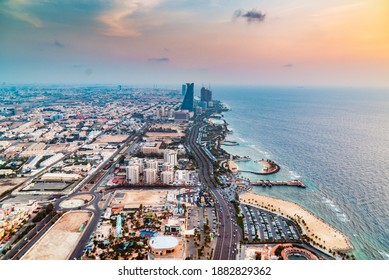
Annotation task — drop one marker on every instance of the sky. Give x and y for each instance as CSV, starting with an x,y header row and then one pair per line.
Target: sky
x,y
246,42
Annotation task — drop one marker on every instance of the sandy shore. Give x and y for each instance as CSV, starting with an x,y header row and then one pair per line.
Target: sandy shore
x,y
267,167
264,163
327,236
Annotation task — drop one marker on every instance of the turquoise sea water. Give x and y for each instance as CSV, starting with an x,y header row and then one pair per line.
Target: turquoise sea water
x,y
335,140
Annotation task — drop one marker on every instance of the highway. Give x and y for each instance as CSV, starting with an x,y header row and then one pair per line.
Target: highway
x,y
21,247
24,245
93,205
229,234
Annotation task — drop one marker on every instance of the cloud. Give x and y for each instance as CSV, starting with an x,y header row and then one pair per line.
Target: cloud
x,y
88,71
158,59
24,16
250,16
117,17
288,65
58,44
19,10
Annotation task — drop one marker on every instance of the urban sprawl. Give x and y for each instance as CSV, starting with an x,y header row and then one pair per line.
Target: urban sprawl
x,y
115,172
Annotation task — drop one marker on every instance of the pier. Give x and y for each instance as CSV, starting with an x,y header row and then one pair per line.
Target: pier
x,y
230,143
267,183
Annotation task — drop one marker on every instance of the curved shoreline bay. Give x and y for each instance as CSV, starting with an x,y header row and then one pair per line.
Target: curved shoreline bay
x,y
327,236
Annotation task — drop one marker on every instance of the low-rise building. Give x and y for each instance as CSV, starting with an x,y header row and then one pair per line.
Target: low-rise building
x,y
60,177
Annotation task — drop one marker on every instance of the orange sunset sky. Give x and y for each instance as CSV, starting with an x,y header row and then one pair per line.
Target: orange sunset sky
x,y
330,43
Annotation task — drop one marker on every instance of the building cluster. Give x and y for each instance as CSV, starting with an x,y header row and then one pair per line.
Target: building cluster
x,y
12,218
139,232
50,125
191,104
157,171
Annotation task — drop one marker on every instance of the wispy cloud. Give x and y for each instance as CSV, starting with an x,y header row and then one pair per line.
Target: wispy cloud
x,y
88,71
250,16
18,9
289,65
117,17
58,44
158,59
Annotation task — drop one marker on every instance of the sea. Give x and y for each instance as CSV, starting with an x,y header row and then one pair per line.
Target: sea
x,y
335,140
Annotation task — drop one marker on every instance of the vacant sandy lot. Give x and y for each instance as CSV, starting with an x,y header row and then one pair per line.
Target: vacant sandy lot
x,y
59,242
56,148
162,135
133,198
177,127
7,184
111,139
327,235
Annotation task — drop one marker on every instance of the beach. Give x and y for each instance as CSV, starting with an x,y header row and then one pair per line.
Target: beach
x,y
327,236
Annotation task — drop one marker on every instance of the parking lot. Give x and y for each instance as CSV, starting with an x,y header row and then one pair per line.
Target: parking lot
x,y
188,198
264,226
198,218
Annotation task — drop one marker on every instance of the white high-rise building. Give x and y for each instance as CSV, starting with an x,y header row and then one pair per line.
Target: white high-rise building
x,y
132,173
167,177
182,176
167,167
153,164
138,162
170,156
150,175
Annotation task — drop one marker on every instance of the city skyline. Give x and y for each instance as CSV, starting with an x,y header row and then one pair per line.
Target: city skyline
x,y
332,43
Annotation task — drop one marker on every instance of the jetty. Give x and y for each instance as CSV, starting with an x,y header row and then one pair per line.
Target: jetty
x,y
238,158
269,167
268,183
230,143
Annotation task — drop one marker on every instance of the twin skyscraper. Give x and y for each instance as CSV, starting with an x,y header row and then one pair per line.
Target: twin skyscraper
x,y
188,102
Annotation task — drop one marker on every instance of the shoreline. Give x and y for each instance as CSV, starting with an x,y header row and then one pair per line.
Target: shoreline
x,y
314,227
320,231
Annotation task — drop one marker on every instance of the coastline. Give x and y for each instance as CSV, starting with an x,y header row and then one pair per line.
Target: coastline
x,y
327,236
317,230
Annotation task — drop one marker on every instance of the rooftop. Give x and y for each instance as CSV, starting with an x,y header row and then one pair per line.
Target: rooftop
x,y
163,242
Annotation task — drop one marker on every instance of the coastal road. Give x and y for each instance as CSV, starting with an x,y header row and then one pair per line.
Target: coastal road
x,y
229,235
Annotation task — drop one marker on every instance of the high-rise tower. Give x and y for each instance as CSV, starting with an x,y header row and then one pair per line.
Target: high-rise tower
x,y
206,94
187,104
183,89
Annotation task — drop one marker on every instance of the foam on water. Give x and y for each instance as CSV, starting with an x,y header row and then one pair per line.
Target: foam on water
x,y
256,148
294,175
335,208
242,140
343,217
385,255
